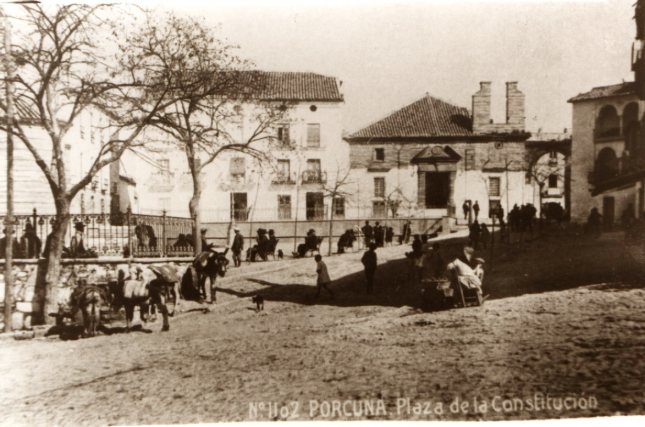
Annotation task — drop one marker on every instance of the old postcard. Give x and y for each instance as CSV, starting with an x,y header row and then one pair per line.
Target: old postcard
x,y
246,211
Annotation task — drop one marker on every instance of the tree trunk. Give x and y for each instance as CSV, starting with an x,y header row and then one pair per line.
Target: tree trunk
x,y
195,214
331,224
52,266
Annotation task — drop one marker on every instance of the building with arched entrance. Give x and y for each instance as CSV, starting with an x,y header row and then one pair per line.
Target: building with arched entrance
x,y
608,144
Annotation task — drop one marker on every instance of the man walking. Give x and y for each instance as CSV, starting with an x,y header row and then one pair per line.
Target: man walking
x,y
323,280
237,247
369,262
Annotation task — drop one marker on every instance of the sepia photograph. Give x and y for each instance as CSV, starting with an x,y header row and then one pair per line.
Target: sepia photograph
x,y
251,211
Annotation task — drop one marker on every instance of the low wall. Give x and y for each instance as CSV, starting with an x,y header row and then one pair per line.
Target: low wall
x,y
287,230
27,296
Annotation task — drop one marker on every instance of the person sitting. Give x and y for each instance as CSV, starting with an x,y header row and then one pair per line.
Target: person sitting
x,y
469,270
311,244
345,241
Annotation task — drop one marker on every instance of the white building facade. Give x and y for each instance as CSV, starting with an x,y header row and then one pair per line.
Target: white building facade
x,y
305,152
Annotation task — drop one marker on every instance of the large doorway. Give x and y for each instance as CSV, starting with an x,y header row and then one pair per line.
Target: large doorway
x,y
437,190
315,206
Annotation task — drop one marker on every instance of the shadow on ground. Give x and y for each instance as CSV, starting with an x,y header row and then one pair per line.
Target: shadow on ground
x,y
554,262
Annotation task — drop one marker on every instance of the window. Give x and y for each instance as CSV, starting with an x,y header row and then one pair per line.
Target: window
x,y
470,159
494,186
313,135
313,174
607,122
379,187
284,171
238,166
315,206
283,134
239,210
379,154
553,181
284,206
339,207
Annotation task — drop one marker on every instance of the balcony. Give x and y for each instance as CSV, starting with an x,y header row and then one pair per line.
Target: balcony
x,y
284,179
607,135
314,177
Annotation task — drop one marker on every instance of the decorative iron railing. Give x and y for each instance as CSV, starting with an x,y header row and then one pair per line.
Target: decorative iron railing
x,y
92,235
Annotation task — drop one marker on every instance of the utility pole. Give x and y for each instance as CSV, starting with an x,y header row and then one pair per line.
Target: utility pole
x,y
8,262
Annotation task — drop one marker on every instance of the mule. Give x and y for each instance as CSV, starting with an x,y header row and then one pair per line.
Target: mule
x,y
143,287
207,265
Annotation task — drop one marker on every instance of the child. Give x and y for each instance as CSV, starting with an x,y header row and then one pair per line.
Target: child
x,y
370,263
323,276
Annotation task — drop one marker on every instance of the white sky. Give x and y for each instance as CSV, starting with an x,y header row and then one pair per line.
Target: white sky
x,y
390,53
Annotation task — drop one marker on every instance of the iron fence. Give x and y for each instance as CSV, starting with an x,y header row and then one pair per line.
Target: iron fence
x,y
91,235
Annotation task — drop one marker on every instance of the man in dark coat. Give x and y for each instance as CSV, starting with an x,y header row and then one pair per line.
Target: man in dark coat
x,y
476,209
30,243
237,247
368,232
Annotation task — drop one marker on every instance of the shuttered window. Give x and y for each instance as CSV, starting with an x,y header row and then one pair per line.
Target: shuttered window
x,y
494,186
313,135
379,187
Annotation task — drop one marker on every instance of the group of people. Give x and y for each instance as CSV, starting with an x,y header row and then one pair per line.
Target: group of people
x,y
522,218
29,245
266,242
379,235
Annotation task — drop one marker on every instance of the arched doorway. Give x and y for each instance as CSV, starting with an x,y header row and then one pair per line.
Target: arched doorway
x,y
606,164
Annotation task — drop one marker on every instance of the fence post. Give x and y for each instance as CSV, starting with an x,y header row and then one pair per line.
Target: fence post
x,y
34,220
163,233
127,222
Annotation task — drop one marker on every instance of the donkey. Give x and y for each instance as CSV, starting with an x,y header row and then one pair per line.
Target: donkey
x,y
207,265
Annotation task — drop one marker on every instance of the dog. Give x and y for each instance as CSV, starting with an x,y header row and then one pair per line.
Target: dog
x,y
259,302
280,254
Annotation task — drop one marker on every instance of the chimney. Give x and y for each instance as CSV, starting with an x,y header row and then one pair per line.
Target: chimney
x,y
481,107
515,117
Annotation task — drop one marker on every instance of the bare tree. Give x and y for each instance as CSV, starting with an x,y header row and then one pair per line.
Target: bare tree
x,y
335,191
217,92
68,61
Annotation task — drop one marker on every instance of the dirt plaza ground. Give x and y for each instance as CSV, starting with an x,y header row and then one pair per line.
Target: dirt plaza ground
x,y
562,335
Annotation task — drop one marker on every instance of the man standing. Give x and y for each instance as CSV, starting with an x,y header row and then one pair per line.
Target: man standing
x,y
466,208
476,209
368,232
369,262
237,247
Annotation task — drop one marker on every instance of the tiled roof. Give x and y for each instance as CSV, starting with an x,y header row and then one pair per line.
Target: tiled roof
x,y
620,89
296,86
427,117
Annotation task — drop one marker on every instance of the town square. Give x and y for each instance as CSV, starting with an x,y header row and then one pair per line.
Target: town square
x,y
418,211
